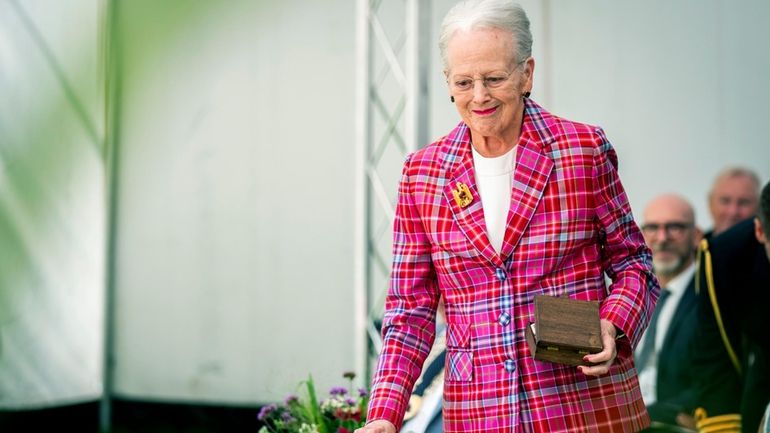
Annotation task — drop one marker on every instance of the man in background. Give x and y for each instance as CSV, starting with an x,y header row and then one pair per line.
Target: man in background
x,y
733,197
663,357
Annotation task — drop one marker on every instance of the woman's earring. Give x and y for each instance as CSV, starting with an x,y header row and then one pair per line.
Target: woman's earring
x,y
452,98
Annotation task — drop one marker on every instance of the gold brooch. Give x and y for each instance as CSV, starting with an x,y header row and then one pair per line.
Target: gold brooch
x,y
463,196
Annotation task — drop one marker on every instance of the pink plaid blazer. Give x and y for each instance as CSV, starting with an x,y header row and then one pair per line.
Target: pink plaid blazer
x,y
569,222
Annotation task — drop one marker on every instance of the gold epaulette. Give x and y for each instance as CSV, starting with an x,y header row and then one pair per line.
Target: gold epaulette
x,y
729,423
704,258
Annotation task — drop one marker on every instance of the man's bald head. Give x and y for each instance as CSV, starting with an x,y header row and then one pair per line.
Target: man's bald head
x,y
673,205
669,230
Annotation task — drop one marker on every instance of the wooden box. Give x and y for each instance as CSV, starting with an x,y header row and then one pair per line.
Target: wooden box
x,y
564,330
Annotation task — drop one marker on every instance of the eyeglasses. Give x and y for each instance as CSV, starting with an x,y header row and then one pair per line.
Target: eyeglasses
x,y
494,80
672,229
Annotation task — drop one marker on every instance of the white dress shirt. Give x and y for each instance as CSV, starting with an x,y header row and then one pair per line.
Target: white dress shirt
x,y
649,375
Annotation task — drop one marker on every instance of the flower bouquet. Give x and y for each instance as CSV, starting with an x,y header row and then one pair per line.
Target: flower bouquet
x,y
341,412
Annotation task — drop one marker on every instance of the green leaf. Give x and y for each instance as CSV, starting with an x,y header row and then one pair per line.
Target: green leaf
x,y
315,409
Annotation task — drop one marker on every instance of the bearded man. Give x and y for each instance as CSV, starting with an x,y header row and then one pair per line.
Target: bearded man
x,y
662,358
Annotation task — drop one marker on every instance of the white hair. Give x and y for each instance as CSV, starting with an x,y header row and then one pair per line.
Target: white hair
x,y
733,172
498,14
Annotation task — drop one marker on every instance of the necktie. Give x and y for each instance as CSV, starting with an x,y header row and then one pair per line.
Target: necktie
x,y
648,346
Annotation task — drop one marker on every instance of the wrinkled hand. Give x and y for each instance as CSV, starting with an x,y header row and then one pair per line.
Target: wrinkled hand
x,y
379,426
606,357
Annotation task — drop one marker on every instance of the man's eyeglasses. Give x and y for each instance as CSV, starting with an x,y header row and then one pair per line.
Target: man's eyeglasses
x,y
672,229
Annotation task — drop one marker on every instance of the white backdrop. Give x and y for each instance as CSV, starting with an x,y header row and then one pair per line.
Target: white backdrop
x,y
52,213
234,238
234,255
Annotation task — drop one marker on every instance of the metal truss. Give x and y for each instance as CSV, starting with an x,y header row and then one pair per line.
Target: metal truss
x,y
392,121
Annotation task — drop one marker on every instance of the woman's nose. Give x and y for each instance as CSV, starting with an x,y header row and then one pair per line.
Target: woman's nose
x,y
480,92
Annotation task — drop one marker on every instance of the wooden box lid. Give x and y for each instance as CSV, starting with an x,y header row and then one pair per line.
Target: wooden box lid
x,y
564,330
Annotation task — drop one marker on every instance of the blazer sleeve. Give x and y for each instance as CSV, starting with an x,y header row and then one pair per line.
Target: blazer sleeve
x,y
410,309
627,260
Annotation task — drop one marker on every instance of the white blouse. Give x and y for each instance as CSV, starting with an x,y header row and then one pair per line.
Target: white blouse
x,y
494,177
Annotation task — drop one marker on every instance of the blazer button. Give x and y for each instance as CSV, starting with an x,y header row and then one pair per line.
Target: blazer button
x,y
510,366
500,273
504,319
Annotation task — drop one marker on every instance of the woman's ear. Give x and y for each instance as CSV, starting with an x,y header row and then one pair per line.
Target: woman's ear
x,y
529,74
446,76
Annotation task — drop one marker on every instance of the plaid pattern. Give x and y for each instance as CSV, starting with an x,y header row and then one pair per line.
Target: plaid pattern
x,y
459,365
569,222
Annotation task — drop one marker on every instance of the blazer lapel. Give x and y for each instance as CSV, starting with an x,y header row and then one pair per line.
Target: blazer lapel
x,y
530,176
470,217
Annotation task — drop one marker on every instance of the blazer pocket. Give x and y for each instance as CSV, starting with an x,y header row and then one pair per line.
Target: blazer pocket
x,y
458,336
459,360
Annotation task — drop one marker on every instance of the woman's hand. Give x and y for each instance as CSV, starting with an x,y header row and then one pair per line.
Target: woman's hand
x,y
379,426
606,357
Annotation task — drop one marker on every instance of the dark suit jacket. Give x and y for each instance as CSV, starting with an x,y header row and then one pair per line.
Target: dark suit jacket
x,y
676,381
741,272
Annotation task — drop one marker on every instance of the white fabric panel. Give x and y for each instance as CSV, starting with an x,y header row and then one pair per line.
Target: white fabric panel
x,y
235,243
52,208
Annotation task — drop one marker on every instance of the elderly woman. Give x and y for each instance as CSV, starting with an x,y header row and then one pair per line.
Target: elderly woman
x,y
512,203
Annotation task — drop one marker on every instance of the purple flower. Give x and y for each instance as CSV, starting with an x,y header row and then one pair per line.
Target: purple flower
x,y
362,392
290,399
266,411
338,390
287,418
350,401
